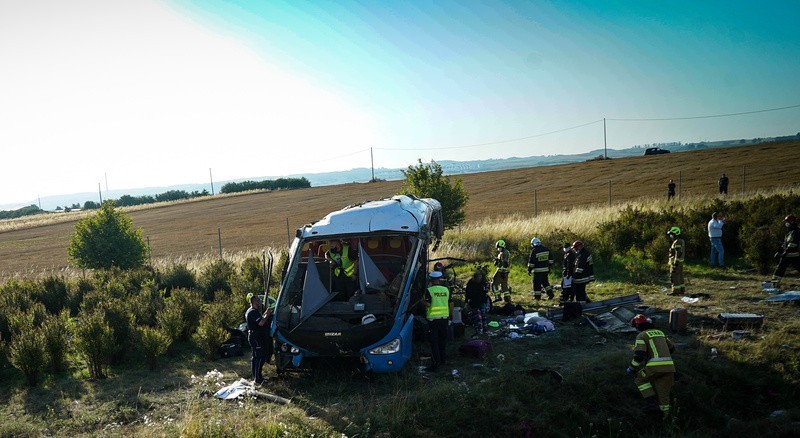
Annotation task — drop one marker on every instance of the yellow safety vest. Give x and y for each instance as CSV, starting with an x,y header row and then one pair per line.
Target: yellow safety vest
x,y
344,262
440,302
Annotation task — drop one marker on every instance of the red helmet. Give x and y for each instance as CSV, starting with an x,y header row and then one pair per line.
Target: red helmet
x,y
577,245
640,319
790,218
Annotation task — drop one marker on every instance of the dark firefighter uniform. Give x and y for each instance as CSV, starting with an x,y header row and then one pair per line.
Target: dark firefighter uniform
x,y
500,279
582,273
566,276
652,362
676,256
539,263
789,253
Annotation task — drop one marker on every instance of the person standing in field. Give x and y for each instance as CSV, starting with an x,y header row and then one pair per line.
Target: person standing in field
x,y
676,256
652,365
723,185
439,309
539,263
715,235
670,190
582,271
501,260
476,294
789,252
258,337
566,273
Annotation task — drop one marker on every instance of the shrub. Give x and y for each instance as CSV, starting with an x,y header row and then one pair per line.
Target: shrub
x,y
94,340
53,294
107,239
56,334
178,276
26,349
181,314
118,316
76,294
216,276
211,334
153,343
170,321
759,248
146,304
428,181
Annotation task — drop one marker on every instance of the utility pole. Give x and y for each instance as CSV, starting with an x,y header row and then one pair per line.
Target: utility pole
x,y
106,183
101,193
40,201
605,141
288,236
372,164
212,181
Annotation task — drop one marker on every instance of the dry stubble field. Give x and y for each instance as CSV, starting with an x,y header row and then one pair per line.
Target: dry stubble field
x,y
253,221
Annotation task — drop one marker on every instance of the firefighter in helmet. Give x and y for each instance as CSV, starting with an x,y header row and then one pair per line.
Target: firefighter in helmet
x,y
539,263
676,256
652,364
582,271
789,251
500,279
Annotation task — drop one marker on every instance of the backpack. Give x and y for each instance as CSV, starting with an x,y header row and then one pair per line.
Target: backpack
x,y
476,348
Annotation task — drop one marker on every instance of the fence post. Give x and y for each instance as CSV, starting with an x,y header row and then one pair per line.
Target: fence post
x,y
288,236
535,204
744,179
149,251
680,183
219,237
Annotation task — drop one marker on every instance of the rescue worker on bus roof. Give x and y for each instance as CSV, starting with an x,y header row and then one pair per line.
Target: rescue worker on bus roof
x,y
789,252
539,263
677,252
652,363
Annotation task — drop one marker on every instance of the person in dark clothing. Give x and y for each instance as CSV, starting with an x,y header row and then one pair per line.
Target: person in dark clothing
x,y
566,273
539,263
477,297
439,309
789,252
723,185
258,337
582,271
670,190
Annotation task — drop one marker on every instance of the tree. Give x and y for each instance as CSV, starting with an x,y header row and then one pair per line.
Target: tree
x,y
427,181
107,239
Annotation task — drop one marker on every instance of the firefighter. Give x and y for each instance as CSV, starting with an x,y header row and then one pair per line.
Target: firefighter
x,y
500,278
582,271
539,264
566,273
676,255
652,364
789,252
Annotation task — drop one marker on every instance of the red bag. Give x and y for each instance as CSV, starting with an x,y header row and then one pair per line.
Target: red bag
x,y
476,348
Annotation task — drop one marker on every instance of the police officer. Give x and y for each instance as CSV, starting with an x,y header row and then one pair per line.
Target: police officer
x,y
343,267
439,308
258,337
652,363
539,263
676,256
789,252
582,271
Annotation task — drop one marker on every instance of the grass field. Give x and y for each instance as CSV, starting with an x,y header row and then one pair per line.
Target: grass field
x,y
254,221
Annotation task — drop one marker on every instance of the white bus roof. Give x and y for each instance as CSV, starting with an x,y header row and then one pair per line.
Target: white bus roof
x,y
400,213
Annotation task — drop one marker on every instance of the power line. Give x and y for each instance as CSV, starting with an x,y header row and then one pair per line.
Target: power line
x,y
338,156
492,143
705,117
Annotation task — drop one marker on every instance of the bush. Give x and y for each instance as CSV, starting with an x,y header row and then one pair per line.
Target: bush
x,y
94,340
153,343
26,350
181,314
759,248
76,294
215,277
170,321
55,331
118,316
107,239
211,334
428,181
53,294
146,304
178,276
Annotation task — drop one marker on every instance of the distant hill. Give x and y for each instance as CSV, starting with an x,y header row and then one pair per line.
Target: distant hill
x,y
362,174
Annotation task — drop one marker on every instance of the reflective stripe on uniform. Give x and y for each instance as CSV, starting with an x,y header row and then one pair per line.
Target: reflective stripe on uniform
x,y
644,387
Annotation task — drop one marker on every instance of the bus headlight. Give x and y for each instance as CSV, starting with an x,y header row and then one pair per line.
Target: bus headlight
x,y
390,347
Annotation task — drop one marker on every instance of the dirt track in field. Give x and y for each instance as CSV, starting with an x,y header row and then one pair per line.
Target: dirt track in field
x,y
255,221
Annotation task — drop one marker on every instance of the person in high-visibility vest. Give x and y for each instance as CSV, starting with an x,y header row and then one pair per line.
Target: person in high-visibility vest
x,y
539,263
500,277
652,364
676,256
344,267
439,309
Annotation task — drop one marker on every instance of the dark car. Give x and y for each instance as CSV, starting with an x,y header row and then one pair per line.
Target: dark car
x,y
655,151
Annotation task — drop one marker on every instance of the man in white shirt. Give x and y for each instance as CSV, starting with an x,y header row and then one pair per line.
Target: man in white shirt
x,y
715,235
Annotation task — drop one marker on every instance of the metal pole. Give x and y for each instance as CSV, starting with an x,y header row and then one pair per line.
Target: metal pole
x,y
40,201
609,193
535,203
101,193
372,164
288,236
680,183
149,251
106,183
219,236
212,181
605,142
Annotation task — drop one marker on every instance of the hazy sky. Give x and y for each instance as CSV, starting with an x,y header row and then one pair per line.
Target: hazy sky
x,y
154,93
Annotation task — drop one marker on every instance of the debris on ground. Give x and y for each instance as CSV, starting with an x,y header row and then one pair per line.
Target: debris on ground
x,y
784,297
243,388
739,320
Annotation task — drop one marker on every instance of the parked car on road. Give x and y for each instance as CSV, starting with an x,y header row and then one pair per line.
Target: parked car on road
x,y
655,151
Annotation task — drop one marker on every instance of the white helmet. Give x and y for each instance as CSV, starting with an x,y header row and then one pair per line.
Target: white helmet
x,y
535,241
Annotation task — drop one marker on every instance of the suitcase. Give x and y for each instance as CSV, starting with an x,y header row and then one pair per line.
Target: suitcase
x,y
476,348
572,310
678,319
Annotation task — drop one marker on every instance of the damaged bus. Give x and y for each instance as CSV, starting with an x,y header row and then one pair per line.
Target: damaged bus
x,y
368,317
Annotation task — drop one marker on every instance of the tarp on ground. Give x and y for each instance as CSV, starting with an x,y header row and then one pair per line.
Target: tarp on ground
x,y
786,296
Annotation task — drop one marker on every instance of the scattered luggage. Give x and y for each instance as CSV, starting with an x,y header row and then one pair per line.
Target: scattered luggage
x,y
476,348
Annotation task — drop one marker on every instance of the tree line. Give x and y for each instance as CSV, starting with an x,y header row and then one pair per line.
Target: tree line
x,y
267,184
